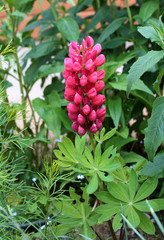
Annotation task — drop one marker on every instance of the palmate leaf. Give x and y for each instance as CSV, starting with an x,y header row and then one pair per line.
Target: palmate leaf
x,y
156,204
93,184
117,221
119,191
115,109
154,133
133,217
146,224
133,184
142,65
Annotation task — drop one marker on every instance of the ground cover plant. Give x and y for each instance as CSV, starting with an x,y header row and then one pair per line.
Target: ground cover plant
x,y
91,153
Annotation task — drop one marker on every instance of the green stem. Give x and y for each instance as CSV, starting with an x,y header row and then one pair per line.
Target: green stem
x,y
20,74
130,20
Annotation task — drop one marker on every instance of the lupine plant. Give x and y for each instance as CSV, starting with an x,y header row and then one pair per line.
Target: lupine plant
x,y
93,154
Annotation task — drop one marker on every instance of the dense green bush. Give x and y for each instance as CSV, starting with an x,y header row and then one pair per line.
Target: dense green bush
x,y
65,193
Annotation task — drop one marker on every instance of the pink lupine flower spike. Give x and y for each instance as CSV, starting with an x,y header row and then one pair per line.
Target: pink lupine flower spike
x,y
83,85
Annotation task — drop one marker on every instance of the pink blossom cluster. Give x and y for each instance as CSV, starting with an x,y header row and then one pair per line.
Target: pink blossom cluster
x,y
83,86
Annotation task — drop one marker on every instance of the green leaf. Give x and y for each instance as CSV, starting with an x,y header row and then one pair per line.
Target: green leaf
x,y
154,133
147,9
157,83
118,142
97,155
146,189
131,157
121,85
80,143
104,178
133,184
156,204
146,224
119,191
106,197
124,132
19,14
154,168
111,28
93,184
142,65
133,217
72,2
117,221
69,28
45,70
149,33
42,49
115,109
108,135
48,114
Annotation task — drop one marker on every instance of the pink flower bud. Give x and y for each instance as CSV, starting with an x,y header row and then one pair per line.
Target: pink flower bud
x,y
100,74
77,98
92,93
77,67
102,118
72,108
89,64
86,109
83,80
98,124
84,44
68,64
89,41
93,55
70,82
99,60
75,45
70,91
93,77
101,112
81,119
66,74
81,130
68,98
75,126
72,116
99,86
87,56
92,116
93,128
98,48
98,100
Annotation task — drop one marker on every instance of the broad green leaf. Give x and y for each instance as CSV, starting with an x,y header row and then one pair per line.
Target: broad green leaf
x,y
133,184
124,132
108,135
45,70
119,191
117,221
156,204
72,2
147,9
121,84
154,133
108,209
48,114
64,118
111,28
131,157
89,155
69,28
35,24
115,109
42,49
154,168
86,231
157,83
146,224
133,217
118,142
93,184
142,65
113,43
19,14
150,33
146,189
